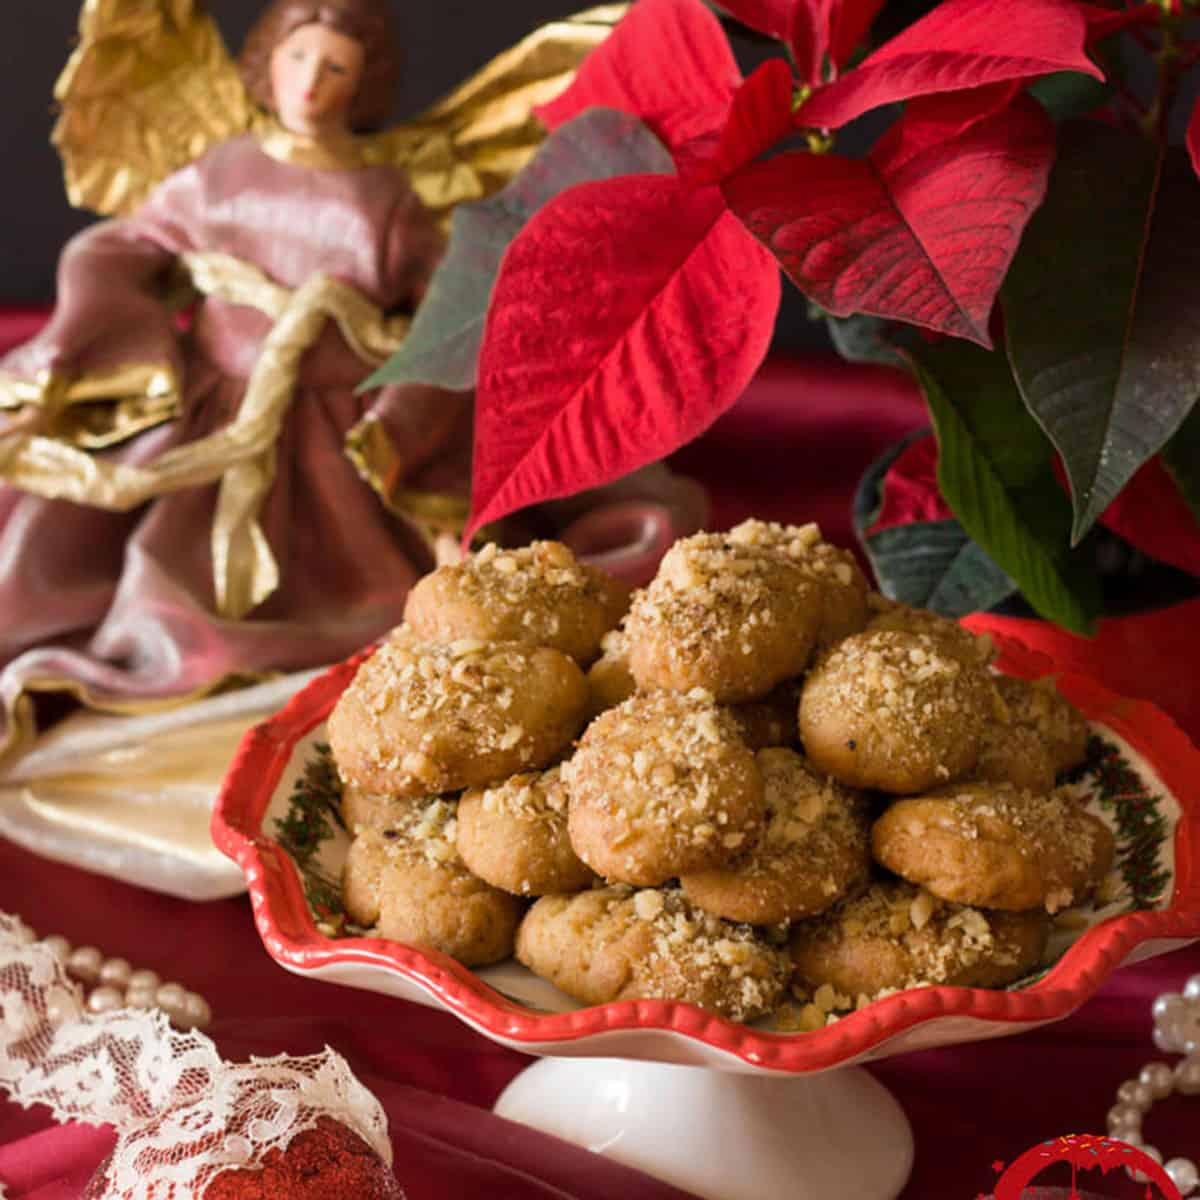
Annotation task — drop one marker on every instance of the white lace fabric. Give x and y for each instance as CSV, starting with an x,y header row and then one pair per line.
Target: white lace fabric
x,y
182,1114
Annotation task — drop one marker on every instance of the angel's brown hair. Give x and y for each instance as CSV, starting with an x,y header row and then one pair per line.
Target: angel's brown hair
x,y
367,21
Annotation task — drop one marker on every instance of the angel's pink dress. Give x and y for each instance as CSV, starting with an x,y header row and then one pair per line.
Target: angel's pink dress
x,y
123,603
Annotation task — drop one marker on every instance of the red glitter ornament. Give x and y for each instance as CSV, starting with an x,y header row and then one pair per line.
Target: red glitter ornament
x,y
328,1162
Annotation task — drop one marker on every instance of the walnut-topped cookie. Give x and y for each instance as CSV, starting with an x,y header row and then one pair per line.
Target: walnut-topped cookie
x,y
893,616
844,588
1015,754
896,935
725,617
609,679
374,810
996,846
1037,705
661,785
617,944
815,846
408,883
770,721
420,718
895,711
540,594
514,836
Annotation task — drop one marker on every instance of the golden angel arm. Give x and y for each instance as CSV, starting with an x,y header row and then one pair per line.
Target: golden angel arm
x,y
470,144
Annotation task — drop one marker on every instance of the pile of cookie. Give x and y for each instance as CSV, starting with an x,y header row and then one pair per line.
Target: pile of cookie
x,y
751,781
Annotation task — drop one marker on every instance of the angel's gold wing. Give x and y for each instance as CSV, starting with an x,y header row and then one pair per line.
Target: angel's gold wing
x,y
149,88
470,144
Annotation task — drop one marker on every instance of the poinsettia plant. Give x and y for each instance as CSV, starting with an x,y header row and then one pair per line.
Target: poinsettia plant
x,y
1023,235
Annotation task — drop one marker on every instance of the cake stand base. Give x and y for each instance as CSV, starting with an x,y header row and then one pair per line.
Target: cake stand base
x,y
723,1135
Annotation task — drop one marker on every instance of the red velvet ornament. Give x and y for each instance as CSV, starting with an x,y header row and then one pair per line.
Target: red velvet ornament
x,y
328,1162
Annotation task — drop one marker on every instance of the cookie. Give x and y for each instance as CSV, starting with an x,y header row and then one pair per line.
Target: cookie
x,y
661,785
896,935
373,810
895,711
420,718
770,721
408,884
609,679
514,836
538,595
1015,754
724,617
815,846
1037,705
996,846
892,616
844,588
617,944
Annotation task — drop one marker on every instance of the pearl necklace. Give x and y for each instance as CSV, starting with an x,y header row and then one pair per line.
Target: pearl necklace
x,y
1176,1031
111,983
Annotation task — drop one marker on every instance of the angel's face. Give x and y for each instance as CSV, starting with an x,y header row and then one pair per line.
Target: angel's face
x,y
315,72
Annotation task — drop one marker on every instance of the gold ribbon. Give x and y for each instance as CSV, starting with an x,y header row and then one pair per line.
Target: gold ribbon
x,y
242,454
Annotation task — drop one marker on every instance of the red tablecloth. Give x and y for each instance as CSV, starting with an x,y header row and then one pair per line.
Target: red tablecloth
x,y
792,449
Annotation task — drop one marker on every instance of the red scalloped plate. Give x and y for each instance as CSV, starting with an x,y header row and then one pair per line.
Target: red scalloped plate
x,y
668,1031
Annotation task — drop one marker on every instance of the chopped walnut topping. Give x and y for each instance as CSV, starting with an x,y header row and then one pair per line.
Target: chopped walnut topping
x,y
426,832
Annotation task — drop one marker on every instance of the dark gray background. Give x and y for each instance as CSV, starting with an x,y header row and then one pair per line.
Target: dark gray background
x,y
445,40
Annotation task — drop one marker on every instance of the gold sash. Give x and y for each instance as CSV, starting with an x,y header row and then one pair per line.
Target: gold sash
x,y
242,454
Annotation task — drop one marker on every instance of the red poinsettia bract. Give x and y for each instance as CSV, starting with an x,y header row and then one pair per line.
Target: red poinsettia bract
x,y
628,315
812,32
634,311
924,231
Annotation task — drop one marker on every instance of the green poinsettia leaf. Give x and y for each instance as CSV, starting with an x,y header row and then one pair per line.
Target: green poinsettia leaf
x,y
930,564
865,339
442,347
1067,95
934,564
995,471
1102,313
1182,457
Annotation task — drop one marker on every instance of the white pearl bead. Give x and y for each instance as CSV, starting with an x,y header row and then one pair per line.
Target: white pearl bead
x,y
62,1006
1191,989
1159,1078
1166,1004
171,998
104,999
1135,1093
1131,1137
140,998
1183,1175
1124,1116
196,1013
84,964
1164,1041
115,972
1187,1076
149,980
58,946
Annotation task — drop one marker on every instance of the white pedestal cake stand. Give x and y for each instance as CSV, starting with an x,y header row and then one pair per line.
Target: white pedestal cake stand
x,y
723,1135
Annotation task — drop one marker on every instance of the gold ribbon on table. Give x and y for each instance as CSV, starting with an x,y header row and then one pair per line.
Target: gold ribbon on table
x,y
242,454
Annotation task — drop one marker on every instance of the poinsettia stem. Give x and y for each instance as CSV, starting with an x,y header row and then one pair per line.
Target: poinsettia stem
x,y
1169,59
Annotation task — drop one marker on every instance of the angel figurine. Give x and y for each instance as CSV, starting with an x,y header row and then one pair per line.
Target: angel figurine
x,y
183,506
